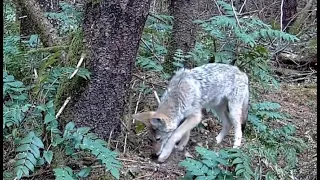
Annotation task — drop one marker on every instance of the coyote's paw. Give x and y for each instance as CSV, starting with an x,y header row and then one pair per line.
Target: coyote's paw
x,y
219,139
163,157
179,147
236,147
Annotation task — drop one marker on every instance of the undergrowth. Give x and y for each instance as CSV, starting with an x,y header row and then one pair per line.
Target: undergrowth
x,y
33,78
270,152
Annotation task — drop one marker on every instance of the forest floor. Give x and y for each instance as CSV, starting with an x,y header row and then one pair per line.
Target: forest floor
x,y
299,100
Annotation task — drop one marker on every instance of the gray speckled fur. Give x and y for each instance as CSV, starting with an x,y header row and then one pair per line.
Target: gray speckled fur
x,y
221,87
205,86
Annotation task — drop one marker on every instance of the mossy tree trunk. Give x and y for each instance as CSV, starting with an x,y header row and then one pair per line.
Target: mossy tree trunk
x,y
36,22
112,30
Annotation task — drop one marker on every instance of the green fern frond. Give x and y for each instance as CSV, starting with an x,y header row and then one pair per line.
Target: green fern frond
x,y
265,106
242,162
28,154
63,173
270,115
226,7
211,163
81,138
148,64
257,123
178,58
196,168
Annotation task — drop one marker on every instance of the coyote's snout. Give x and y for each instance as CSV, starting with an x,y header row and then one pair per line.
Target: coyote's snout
x,y
223,88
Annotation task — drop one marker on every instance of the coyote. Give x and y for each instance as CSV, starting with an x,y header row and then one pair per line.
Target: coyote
x,y
221,87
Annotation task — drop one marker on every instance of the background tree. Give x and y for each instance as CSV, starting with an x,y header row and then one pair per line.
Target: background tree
x,y
289,11
33,20
183,34
184,31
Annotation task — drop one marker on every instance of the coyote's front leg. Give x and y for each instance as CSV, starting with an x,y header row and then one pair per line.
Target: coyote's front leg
x,y
191,122
184,141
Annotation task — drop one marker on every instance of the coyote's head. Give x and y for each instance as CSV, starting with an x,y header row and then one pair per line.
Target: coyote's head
x,y
160,128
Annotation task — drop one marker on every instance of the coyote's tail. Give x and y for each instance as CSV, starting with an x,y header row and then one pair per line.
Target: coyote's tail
x,y
245,109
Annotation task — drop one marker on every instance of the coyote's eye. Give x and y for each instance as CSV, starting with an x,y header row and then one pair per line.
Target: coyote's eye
x,y
158,138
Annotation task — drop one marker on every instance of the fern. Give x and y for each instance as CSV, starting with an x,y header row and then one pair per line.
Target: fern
x,y
241,161
227,8
214,165
69,18
15,101
266,106
28,154
64,173
148,64
81,139
178,59
243,42
274,143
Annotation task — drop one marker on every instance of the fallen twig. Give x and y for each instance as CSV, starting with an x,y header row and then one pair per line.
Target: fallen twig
x,y
110,138
83,55
157,97
155,55
63,106
125,144
235,15
137,104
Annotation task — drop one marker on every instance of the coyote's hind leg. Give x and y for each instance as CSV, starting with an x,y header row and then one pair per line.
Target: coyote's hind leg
x,y
235,117
226,124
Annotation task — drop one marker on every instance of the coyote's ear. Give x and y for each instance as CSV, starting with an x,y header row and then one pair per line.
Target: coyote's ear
x,y
144,117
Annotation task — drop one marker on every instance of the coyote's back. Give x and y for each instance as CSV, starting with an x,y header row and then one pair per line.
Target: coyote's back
x,y
206,86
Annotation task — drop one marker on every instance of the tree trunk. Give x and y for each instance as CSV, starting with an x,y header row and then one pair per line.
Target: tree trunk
x,y
112,31
184,31
40,23
289,10
297,25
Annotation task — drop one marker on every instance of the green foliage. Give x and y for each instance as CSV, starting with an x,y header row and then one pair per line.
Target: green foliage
x,y
28,154
32,78
178,59
215,165
68,19
264,143
273,144
15,101
64,173
242,41
80,139
152,48
9,15
74,139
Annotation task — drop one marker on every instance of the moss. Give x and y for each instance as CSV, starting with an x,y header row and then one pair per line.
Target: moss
x,y
74,86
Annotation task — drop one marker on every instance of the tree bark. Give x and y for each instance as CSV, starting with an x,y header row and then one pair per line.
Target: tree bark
x,y
48,34
112,32
183,31
289,10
